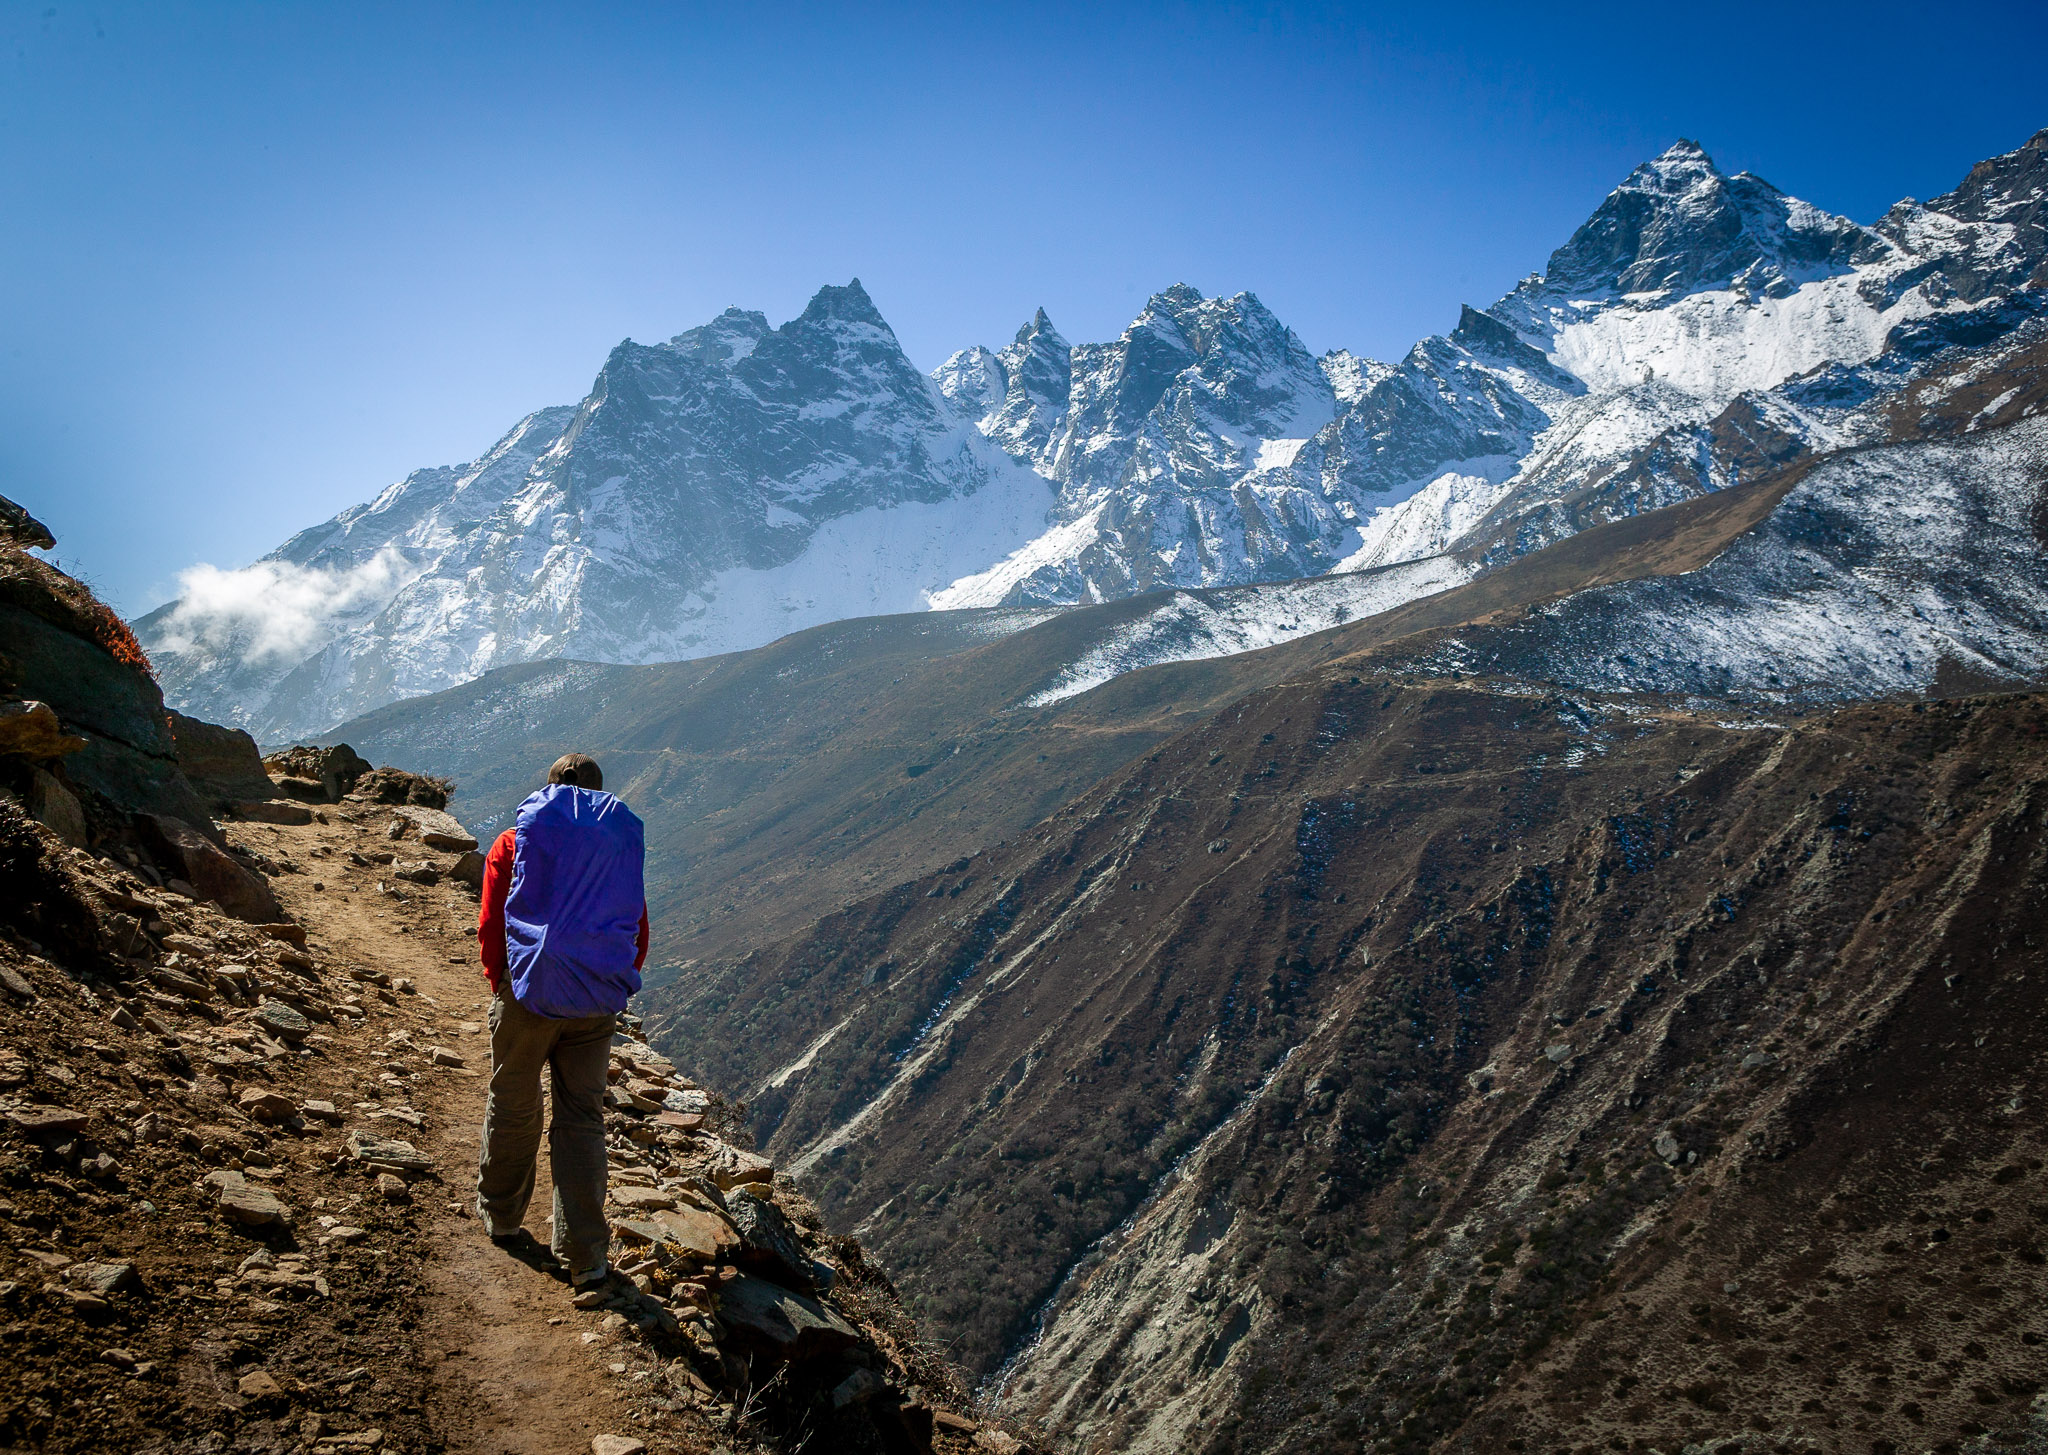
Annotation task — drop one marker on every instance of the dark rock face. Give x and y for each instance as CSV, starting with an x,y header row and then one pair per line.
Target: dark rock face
x,y
221,762
337,768
23,529
61,646
2004,201
780,1322
768,1241
207,868
1678,222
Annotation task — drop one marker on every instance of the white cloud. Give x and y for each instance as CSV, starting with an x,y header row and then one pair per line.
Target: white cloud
x,y
275,609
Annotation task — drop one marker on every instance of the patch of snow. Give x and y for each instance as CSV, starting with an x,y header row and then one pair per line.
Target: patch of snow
x,y
1425,523
1278,454
1191,626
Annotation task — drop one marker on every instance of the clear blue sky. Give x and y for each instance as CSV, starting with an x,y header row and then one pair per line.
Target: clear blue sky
x,y
256,262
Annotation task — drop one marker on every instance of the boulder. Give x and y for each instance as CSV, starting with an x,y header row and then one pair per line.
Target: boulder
x,y
283,1021
767,1241
254,1207
221,762
702,1235
104,1279
56,808
266,1105
639,1230
781,1322
643,1199
469,869
305,790
18,526
438,830
258,1384
190,856
395,785
730,1167
376,1151
67,650
31,730
336,770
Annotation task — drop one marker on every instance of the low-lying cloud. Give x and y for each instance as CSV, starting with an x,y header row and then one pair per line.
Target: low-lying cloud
x,y
275,609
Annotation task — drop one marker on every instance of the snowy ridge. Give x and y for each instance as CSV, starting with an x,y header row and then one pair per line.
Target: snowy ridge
x,y
740,481
1883,572
1190,626
1686,291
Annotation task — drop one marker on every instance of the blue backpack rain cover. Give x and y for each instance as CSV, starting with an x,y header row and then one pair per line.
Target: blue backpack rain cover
x,y
572,917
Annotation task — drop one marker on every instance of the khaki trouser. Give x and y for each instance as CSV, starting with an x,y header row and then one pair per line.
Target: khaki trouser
x,y
576,1053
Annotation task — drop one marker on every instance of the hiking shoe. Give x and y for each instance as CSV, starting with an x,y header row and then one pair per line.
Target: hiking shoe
x,y
591,1277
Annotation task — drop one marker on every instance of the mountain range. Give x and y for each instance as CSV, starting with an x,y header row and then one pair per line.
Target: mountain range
x,y
740,481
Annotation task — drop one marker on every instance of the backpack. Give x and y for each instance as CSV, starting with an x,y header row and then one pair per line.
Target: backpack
x,y
572,917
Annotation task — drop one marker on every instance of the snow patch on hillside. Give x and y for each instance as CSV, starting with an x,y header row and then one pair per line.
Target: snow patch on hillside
x,y
1722,343
1426,522
1190,626
873,562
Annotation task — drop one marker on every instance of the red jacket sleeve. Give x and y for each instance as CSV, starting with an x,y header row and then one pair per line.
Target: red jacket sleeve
x,y
640,942
490,918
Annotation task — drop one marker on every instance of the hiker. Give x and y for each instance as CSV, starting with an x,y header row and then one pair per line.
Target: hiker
x,y
562,934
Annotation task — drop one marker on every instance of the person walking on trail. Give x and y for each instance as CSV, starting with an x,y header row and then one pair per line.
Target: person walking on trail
x,y
562,934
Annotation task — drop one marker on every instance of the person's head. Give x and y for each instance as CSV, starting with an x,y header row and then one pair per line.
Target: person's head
x,y
577,771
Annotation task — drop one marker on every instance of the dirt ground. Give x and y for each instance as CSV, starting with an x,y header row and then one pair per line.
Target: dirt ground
x,y
496,1332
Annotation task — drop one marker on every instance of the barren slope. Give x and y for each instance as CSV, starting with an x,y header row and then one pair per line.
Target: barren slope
x,y
1375,1003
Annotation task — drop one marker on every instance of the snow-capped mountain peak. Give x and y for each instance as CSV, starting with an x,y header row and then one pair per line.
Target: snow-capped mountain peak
x,y
727,339
710,493
1197,449
1679,223
741,480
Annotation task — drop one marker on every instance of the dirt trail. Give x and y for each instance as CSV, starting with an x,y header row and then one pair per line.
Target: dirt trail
x,y
506,1380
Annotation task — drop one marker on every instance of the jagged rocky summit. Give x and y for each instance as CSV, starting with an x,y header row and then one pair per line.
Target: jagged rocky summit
x,y
739,482
1697,329
711,493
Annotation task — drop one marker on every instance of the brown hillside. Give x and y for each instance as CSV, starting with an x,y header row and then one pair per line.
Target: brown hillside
x,y
1472,1066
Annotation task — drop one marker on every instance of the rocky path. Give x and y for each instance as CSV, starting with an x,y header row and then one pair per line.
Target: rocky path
x,y
510,1374
236,1180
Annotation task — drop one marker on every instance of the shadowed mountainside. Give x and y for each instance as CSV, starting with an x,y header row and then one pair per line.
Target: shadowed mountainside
x,y
1455,1067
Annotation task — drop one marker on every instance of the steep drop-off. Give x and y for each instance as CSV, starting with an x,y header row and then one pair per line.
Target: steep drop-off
x,y
1446,1065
